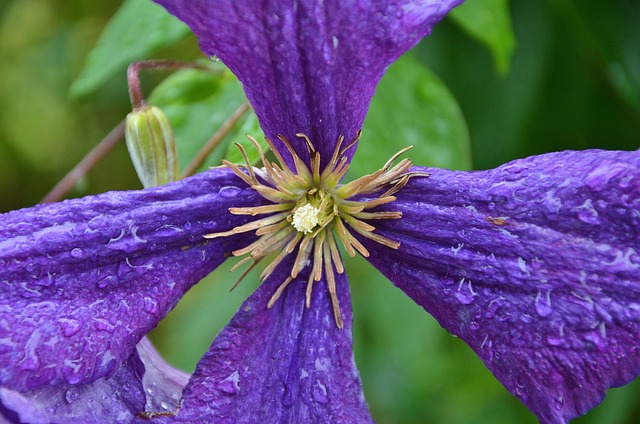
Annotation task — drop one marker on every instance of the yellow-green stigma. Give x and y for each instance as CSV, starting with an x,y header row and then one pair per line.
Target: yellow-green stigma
x,y
305,218
310,210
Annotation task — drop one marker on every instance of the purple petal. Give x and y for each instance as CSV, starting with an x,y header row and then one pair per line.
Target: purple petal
x,y
83,280
117,399
535,265
309,66
285,364
163,384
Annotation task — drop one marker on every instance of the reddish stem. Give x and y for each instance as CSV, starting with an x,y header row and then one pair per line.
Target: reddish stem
x,y
135,91
82,168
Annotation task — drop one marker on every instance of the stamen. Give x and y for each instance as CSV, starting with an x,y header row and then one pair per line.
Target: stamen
x,y
396,156
241,262
353,142
249,226
335,253
269,229
302,169
310,146
261,210
301,257
273,194
249,179
397,187
310,209
278,292
378,215
371,203
331,167
246,160
331,282
245,272
264,160
356,223
272,266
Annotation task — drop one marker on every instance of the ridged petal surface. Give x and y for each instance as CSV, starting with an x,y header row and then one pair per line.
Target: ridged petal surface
x,y
84,280
288,364
536,265
309,66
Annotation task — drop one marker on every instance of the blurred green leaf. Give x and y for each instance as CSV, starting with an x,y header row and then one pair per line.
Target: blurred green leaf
x,y
607,37
197,104
489,22
139,28
413,107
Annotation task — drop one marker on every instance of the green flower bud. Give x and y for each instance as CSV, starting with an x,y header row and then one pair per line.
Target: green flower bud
x,y
151,146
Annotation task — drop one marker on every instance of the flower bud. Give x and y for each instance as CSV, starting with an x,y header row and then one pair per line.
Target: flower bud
x,y
151,146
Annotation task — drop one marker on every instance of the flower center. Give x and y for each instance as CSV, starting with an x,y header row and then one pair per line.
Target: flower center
x,y
310,211
305,218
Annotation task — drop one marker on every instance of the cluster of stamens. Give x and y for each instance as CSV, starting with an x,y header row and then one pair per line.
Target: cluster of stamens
x,y
310,210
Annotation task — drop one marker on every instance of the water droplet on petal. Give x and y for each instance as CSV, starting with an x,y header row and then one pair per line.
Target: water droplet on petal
x,y
555,340
543,304
516,168
465,293
319,392
526,318
229,191
588,214
103,325
493,307
71,395
69,326
150,305
72,370
76,253
231,384
104,282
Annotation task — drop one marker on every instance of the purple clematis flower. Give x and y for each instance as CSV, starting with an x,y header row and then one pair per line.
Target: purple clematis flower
x,y
534,264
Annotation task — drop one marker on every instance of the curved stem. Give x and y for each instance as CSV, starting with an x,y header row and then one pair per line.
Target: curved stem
x,y
135,91
215,140
89,161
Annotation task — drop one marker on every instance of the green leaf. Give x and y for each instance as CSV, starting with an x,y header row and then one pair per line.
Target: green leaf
x,y
197,104
139,28
413,107
489,22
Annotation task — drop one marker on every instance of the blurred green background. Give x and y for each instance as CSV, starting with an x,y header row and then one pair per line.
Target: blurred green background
x,y
497,80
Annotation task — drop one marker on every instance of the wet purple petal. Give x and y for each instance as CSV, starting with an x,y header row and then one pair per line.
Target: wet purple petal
x,y
286,364
535,265
117,400
309,66
83,280
162,383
